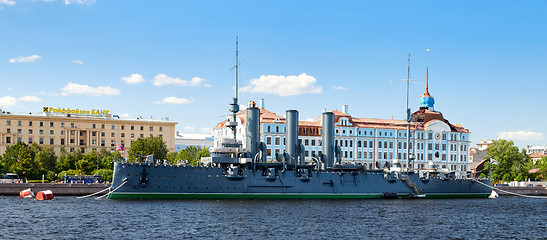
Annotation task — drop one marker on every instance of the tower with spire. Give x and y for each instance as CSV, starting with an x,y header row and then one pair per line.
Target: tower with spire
x,y
426,100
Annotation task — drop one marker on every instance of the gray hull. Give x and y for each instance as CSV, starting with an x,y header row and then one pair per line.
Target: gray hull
x,y
142,181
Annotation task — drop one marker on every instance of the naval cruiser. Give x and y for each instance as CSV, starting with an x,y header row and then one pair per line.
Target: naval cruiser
x,y
244,172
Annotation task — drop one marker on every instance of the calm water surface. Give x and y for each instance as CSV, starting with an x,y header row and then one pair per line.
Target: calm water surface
x,y
71,218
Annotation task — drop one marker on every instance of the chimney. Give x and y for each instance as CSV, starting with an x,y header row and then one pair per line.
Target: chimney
x,y
291,135
328,140
345,109
262,103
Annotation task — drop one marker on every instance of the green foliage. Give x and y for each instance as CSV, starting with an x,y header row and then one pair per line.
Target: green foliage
x,y
20,159
38,181
68,173
105,173
172,158
68,160
193,154
147,146
512,163
88,163
47,159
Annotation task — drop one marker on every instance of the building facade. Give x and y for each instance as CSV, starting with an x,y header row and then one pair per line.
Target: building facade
x,y
80,132
434,142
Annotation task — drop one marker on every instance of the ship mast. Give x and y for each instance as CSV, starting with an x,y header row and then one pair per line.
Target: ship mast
x,y
234,106
408,118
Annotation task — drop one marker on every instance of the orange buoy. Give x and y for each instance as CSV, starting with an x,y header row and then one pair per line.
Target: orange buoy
x,y
27,193
44,195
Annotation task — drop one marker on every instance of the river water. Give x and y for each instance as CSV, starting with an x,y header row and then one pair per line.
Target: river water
x,y
71,218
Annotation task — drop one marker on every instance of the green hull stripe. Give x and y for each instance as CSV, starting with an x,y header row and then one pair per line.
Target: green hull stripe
x,y
277,196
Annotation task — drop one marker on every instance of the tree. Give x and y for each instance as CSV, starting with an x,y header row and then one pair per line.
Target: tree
x,y
67,160
510,160
193,154
16,152
47,159
105,173
147,146
88,163
172,157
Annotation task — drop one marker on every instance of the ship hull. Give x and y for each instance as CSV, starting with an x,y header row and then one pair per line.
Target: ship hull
x,y
140,181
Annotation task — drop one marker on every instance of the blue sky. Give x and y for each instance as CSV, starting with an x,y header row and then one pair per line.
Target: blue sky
x,y
487,64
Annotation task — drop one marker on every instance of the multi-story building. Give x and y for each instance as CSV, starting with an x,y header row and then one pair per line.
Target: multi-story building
x,y
80,132
536,149
434,142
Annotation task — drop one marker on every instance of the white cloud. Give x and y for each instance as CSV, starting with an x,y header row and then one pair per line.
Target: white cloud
x,y
309,120
162,79
77,61
174,100
9,101
520,135
22,59
30,99
339,88
206,130
86,2
7,2
188,128
207,85
74,88
284,85
135,78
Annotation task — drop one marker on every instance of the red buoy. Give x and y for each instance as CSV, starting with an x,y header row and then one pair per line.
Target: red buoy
x,y
27,193
44,195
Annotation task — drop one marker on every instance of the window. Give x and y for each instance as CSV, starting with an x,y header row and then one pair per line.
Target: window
x,y
93,126
81,134
41,140
102,126
161,129
123,135
306,142
8,139
436,146
30,131
51,132
29,140
444,136
72,133
62,132
102,134
269,129
72,141
113,127
151,128
41,124
71,125
429,135
112,134
19,139
102,143
132,127
276,128
313,142
51,141
30,123
19,131
277,141
8,130
359,145
93,134
41,131
269,140
142,135
350,143
62,141
365,144
385,144
390,144
142,128
51,124
62,124
132,135
444,147
123,127
18,123
8,122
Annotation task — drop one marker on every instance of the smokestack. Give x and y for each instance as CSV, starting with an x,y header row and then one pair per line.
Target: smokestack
x,y
345,109
252,136
328,139
292,135
262,103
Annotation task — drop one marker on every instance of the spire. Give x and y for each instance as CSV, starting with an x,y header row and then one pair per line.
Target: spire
x,y
426,94
426,100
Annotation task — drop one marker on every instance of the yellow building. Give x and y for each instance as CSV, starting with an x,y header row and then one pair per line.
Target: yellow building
x,y
80,132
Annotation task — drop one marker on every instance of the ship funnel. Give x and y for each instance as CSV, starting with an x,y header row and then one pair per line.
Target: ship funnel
x,y
252,134
292,136
328,140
